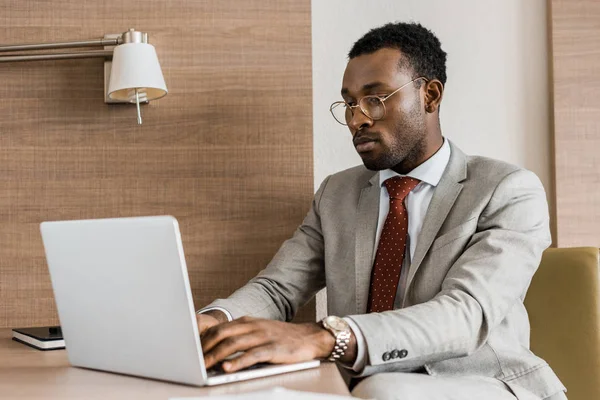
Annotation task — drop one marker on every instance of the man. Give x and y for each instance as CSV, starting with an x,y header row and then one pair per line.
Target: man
x,y
427,253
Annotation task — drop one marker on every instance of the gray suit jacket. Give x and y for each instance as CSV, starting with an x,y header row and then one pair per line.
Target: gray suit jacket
x,y
462,313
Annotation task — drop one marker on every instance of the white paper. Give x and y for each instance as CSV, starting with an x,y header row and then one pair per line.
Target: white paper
x,y
276,393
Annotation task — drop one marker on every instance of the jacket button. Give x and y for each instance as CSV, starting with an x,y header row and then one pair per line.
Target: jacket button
x,y
395,354
403,353
386,356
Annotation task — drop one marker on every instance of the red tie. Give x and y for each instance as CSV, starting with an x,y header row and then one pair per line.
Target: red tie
x,y
392,246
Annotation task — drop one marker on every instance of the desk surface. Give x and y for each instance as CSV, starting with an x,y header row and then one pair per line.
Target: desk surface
x,y
27,373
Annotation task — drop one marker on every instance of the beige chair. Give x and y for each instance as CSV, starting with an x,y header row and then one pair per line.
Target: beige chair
x,y
564,311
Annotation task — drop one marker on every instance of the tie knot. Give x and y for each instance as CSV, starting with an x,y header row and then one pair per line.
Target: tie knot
x,y
399,187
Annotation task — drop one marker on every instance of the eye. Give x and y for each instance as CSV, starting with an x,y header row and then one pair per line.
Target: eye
x,y
372,101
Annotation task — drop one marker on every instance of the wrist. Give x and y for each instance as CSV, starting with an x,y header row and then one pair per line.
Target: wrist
x,y
321,339
220,316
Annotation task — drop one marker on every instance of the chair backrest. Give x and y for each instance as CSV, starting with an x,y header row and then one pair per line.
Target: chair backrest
x,y
564,312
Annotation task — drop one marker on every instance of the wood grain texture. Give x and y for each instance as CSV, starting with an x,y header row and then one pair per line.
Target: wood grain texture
x,y
26,373
576,60
228,152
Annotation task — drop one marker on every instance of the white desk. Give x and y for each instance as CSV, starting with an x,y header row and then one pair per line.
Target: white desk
x,y
27,373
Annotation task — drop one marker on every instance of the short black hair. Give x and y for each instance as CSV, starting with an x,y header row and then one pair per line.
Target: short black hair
x,y
422,50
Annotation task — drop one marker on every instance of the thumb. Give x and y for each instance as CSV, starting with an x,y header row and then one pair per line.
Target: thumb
x,y
205,322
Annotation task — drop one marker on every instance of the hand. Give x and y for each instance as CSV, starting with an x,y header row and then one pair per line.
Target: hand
x,y
209,319
264,340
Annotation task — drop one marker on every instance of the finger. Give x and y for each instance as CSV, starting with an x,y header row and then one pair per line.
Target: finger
x,y
215,334
232,345
205,322
256,355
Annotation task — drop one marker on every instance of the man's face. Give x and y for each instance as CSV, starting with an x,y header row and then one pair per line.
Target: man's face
x,y
398,138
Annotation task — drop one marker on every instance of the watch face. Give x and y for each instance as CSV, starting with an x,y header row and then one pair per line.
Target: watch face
x,y
336,323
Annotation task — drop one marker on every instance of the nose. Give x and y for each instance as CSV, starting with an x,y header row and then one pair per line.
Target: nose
x,y
359,121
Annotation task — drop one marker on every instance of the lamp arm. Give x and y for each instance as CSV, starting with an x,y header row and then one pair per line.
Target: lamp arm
x,y
57,56
62,45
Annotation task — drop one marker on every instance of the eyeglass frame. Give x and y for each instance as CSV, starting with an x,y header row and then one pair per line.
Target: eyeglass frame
x,y
382,99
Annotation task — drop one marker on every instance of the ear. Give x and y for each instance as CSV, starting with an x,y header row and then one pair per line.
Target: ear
x,y
434,89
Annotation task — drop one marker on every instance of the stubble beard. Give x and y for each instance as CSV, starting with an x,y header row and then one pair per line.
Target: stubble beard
x,y
407,149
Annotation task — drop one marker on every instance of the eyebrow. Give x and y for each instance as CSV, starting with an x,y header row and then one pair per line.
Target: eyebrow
x,y
366,87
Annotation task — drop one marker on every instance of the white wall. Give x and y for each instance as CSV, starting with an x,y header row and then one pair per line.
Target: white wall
x,y
496,98
496,101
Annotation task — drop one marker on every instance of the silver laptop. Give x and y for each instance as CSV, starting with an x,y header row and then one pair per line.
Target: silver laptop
x,y
124,300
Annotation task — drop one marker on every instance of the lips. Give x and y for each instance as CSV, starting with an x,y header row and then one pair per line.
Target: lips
x,y
364,147
364,144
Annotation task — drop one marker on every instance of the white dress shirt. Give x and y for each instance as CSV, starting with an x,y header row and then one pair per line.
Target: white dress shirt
x,y
417,202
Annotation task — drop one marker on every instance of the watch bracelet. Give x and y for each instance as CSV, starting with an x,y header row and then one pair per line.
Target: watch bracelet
x,y
341,345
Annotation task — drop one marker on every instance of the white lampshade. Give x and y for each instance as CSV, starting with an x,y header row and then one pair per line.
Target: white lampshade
x,y
136,66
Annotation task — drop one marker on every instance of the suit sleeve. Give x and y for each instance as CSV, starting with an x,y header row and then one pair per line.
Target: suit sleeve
x,y
481,287
290,280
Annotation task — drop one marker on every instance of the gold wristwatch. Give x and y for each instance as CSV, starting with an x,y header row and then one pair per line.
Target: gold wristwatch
x,y
340,330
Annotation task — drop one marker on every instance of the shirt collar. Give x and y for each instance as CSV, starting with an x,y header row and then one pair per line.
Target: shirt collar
x,y
430,171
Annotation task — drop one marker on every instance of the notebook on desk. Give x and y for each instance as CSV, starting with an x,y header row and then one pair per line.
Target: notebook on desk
x,y
43,338
124,300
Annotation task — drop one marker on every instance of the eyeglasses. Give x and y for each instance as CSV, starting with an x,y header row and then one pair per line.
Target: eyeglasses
x,y
372,106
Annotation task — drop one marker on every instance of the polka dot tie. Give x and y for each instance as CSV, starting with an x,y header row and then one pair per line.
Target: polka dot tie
x,y
392,246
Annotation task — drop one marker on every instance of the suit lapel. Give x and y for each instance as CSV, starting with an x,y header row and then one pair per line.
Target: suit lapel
x,y
444,196
366,229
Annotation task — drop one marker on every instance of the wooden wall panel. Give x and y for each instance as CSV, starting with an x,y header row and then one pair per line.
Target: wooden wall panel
x,y
576,70
228,152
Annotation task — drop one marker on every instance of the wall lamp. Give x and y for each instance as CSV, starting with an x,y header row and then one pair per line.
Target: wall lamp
x,y
132,72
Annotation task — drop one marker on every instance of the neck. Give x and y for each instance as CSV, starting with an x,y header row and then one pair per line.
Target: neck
x,y
421,153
